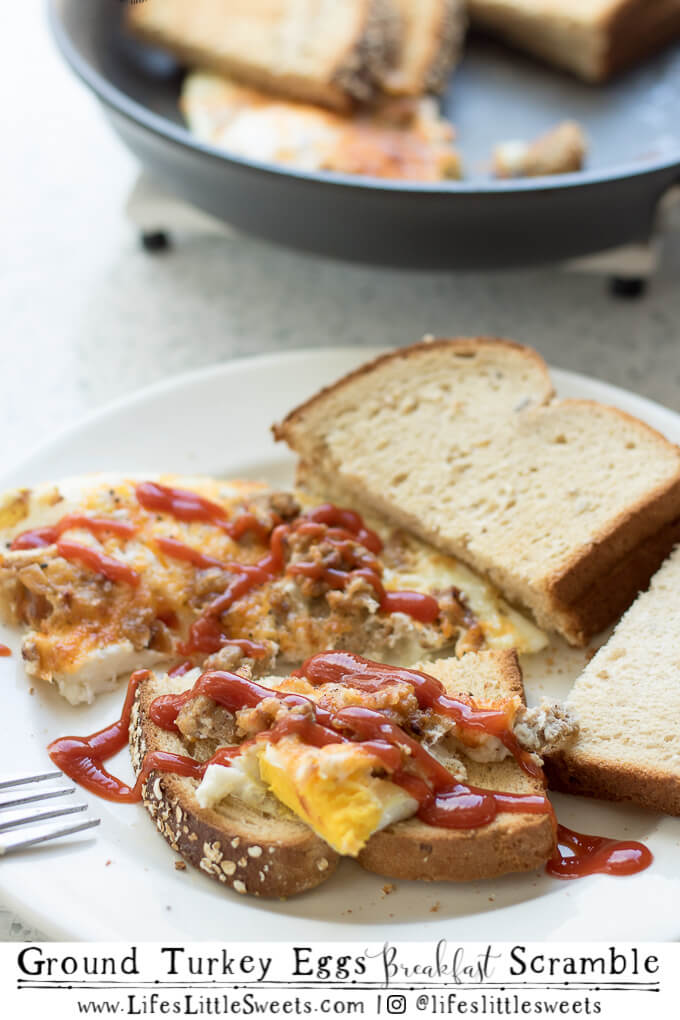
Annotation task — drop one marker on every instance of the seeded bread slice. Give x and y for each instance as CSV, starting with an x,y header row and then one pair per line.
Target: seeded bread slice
x,y
591,38
276,855
512,842
319,51
233,843
431,42
463,443
628,705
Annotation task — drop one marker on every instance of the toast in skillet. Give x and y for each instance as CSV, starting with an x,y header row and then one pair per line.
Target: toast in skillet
x,y
591,38
109,573
318,52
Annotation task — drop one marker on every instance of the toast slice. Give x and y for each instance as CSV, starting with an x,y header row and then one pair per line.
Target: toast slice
x,y
591,38
628,702
261,847
318,51
431,42
463,443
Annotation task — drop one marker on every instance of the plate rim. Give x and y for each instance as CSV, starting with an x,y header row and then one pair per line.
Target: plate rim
x,y
29,910
160,126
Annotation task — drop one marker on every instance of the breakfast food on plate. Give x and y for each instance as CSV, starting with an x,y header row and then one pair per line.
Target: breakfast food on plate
x,y
628,704
327,53
109,574
405,139
350,757
568,506
431,38
448,458
561,150
591,38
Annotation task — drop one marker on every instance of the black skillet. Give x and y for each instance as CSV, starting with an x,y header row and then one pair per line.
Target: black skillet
x,y
633,125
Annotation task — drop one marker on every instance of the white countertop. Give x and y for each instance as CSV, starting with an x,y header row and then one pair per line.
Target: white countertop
x,y
87,316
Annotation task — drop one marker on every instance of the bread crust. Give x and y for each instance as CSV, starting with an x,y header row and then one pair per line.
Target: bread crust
x,y
459,346
625,532
290,860
629,40
413,850
446,27
619,34
627,699
611,594
590,776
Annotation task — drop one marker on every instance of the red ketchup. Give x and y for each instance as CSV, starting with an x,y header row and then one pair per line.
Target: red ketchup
x,y
97,561
442,800
578,855
345,667
189,506
37,538
82,758
340,528
5,651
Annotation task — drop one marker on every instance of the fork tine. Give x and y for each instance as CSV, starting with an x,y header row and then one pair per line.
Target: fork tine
x,y
41,817
67,830
21,780
18,801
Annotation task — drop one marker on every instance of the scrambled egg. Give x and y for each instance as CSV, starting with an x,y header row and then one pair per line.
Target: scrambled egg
x,y
331,788
404,140
85,630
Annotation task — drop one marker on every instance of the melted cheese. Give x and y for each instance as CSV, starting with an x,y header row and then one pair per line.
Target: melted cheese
x,y
85,630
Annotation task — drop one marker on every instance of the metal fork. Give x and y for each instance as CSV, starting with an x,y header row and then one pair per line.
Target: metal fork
x,y
13,813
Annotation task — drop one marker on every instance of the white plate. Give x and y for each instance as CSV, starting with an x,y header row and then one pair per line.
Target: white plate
x,y
121,884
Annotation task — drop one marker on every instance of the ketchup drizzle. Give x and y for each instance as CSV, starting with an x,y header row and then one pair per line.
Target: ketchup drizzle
x,y
97,561
37,538
442,800
345,667
181,668
189,506
578,855
339,527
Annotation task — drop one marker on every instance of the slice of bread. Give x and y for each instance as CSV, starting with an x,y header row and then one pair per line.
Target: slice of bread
x,y
591,38
431,41
277,855
512,842
250,851
323,52
628,704
463,443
